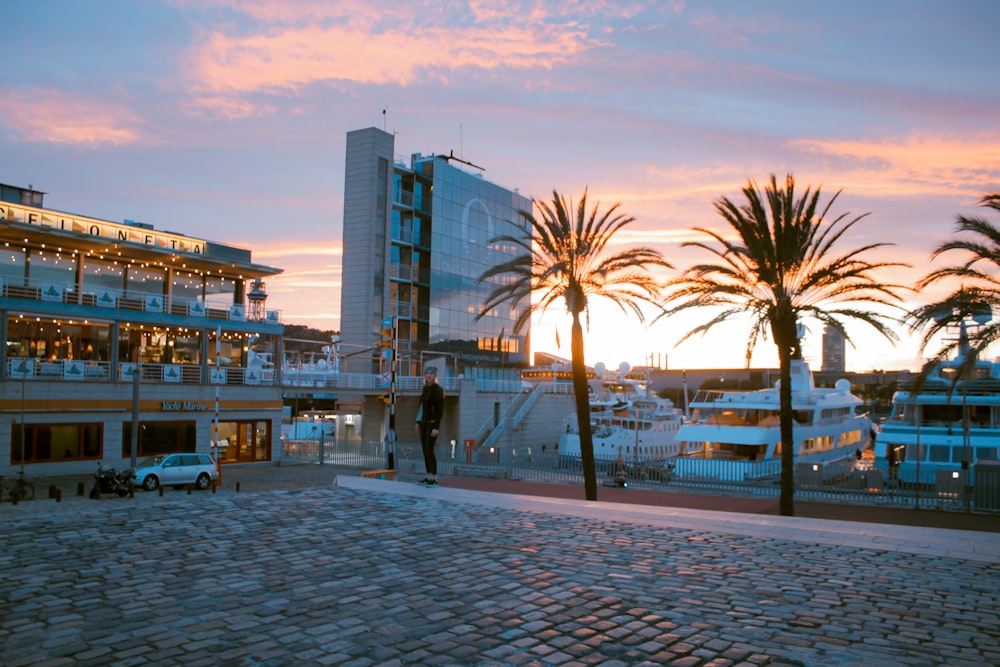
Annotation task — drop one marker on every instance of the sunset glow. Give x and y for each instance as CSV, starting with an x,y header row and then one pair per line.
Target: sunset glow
x,y
227,120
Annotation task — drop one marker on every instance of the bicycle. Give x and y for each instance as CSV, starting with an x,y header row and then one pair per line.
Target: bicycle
x,y
21,489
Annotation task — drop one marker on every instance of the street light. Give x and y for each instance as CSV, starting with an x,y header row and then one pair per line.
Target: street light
x,y
24,373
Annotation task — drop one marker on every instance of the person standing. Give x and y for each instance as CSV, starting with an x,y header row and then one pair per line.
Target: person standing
x,y
429,413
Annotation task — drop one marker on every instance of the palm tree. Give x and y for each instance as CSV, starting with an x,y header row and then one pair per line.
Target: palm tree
x,y
977,296
564,260
780,269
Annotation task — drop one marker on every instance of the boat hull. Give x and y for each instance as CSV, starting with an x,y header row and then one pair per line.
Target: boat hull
x,y
930,453
625,444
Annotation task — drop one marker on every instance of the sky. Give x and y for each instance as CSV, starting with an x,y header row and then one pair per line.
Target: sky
x,y
227,121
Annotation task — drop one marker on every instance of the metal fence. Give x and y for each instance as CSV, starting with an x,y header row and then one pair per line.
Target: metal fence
x,y
860,487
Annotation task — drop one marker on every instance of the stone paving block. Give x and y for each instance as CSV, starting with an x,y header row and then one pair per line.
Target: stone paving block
x,y
348,589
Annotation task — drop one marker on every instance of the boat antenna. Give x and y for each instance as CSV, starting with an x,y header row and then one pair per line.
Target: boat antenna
x,y
684,380
963,341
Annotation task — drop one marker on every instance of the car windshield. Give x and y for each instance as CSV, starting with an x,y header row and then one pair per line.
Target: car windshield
x,y
152,461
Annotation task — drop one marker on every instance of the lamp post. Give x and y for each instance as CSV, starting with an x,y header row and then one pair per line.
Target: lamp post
x,y
24,373
966,446
917,417
134,437
216,381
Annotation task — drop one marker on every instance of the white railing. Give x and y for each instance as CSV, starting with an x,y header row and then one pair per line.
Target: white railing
x,y
714,469
866,488
127,300
76,370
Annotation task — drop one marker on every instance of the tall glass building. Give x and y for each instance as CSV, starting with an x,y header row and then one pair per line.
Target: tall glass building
x,y
416,239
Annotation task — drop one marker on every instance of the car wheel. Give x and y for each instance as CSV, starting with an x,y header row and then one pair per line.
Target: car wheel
x,y
151,483
203,481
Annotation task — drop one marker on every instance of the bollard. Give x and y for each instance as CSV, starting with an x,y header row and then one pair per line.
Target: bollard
x,y
213,489
14,497
131,490
79,488
189,489
237,487
58,495
161,490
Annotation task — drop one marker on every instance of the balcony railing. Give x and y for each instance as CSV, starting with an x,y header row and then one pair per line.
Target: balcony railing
x,y
403,198
21,368
118,300
402,271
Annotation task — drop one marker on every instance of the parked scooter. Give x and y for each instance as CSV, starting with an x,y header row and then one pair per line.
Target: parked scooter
x,y
109,480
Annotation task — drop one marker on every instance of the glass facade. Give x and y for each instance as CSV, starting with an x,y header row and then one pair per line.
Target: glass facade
x,y
466,213
52,340
417,237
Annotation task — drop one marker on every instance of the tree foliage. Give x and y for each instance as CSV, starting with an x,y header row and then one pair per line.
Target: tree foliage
x,y
976,293
566,259
777,263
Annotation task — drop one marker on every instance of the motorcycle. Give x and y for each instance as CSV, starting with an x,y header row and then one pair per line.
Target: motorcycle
x,y
109,480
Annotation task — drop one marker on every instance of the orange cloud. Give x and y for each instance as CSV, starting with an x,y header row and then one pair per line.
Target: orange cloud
x,y
53,116
633,237
915,164
298,251
290,285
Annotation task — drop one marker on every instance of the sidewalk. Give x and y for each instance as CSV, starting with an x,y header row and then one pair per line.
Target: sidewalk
x,y
307,565
289,476
263,477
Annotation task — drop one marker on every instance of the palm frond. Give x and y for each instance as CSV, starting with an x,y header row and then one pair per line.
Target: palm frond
x,y
977,291
782,261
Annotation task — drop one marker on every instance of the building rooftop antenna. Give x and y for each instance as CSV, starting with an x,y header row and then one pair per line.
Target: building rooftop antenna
x,y
451,156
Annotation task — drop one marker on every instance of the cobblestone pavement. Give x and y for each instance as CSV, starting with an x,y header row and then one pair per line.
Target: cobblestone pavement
x,y
388,573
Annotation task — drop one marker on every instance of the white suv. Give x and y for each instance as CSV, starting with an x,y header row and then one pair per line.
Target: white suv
x,y
176,470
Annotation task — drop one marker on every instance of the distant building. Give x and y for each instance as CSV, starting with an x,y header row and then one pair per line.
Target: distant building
x,y
834,351
416,239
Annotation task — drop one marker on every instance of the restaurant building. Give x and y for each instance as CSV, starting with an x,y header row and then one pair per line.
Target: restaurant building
x,y
122,341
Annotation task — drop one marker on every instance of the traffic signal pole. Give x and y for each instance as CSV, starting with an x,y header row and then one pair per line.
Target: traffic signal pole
x,y
390,323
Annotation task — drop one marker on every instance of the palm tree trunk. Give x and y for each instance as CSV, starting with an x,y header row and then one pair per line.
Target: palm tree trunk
x,y
582,397
786,505
786,339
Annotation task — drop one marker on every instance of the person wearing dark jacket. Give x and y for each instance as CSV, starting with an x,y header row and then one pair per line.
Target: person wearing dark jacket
x,y
429,413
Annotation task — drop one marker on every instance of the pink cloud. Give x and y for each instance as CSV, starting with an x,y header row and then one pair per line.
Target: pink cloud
x,y
294,58
296,46
59,117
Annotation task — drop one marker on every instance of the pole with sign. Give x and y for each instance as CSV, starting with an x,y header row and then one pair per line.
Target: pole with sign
x,y
216,380
389,335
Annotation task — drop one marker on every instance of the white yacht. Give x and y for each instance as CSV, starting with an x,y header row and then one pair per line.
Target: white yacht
x,y
628,423
736,435
934,431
